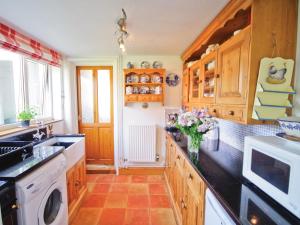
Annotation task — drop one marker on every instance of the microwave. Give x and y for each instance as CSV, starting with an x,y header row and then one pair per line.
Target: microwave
x,y
273,165
254,210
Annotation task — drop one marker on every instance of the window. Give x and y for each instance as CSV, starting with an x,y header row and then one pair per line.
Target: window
x,y
28,83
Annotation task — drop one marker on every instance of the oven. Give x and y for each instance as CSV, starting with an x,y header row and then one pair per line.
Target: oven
x,y
273,164
8,204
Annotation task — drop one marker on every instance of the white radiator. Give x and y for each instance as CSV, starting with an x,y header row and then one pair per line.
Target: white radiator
x,y
142,143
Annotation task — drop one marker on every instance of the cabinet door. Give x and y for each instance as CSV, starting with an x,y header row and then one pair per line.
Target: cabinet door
x,y
168,157
185,87
80,181
195,82
193,209
179,189
172,168
72,192
233,61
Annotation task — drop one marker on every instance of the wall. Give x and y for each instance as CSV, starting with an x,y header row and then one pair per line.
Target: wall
x,y
70,99
133,113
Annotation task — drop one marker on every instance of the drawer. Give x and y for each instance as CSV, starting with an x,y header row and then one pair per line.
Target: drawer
x,y
194,181
156,98
144,98
214,110
179,159
233,113
131,98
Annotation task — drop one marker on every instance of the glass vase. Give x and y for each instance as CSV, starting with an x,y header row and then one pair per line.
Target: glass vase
x,y
191,148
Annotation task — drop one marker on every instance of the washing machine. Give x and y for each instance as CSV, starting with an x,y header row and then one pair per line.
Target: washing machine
x,y
42,195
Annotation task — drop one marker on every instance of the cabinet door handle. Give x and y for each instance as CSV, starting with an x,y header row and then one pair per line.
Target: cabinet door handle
x,y
214,111
178,156
217,75
190,176
200,81
231,113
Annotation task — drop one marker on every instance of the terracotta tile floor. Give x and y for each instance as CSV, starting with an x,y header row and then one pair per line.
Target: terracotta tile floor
x,y
125,200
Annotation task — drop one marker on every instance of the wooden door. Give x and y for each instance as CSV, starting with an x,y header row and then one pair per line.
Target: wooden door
x,y
185,87
95,106
233,64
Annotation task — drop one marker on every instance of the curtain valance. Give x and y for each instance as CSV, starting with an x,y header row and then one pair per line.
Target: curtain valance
x,y
12,40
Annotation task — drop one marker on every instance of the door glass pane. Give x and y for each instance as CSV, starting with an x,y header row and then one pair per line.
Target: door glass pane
x,y
272,170
104,96
87,97
52,207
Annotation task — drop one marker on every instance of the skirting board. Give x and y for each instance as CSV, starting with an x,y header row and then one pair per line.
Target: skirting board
x,y
142,171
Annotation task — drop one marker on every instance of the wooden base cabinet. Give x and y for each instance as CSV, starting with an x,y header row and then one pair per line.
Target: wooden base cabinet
x,y
76,187
187,189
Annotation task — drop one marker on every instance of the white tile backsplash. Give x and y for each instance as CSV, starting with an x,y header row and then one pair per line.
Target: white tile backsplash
x,y
234,133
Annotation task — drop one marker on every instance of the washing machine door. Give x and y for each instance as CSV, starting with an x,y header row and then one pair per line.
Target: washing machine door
x,y
52,210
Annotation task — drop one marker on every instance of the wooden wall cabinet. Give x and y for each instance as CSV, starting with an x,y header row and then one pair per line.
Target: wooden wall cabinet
x,y
233,57
246,31
76,187
138,84
186,187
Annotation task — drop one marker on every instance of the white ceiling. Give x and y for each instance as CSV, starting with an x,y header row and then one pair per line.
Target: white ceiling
x,y
86,28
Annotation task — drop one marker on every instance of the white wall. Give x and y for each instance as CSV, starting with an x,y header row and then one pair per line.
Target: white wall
x,y
296,110
70,98
133,113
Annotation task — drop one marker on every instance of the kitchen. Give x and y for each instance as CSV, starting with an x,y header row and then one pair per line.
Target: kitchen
x,y
149,112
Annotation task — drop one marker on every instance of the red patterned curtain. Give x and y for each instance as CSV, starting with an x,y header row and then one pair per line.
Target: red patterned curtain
x,y
17,42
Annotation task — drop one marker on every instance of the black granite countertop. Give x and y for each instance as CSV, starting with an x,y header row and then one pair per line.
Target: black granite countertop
x,y
40,156
243,201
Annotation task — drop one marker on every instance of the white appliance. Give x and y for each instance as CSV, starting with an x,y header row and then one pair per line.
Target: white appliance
x,y
251,202
273,164
42,195
215,214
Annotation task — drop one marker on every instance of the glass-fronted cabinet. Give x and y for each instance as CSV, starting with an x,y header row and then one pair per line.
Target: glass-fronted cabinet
x,y
195,82
208,79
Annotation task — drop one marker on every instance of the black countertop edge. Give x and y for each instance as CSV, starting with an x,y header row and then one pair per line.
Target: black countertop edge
x,y
232,184
4,184
40,162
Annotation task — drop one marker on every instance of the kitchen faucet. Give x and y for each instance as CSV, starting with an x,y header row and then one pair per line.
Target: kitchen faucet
x,y
38,135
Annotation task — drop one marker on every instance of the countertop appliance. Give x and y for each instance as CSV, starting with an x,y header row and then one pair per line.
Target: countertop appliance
x,y
251,204
215,214
43,199
273,164
8,214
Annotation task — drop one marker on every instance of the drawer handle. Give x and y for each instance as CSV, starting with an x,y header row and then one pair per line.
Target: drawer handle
x,y
214,111
190,176
200,81
178,156
231,113
218,76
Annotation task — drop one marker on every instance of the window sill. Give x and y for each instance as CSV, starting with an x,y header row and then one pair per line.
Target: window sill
x,y
17,129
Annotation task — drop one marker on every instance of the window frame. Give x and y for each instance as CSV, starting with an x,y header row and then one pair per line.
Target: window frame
x,y
25,95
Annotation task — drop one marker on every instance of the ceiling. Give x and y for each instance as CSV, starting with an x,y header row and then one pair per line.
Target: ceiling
x,y
86,28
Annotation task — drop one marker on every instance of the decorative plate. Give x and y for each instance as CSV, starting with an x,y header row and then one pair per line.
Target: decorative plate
x,y
156,78
145,65
134,78
172,79
144,78
157,65
144,90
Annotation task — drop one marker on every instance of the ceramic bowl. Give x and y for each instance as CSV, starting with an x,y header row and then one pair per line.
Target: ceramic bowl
x,y
290,125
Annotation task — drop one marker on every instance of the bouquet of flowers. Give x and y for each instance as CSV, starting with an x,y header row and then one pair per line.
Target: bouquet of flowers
x,y
195,124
